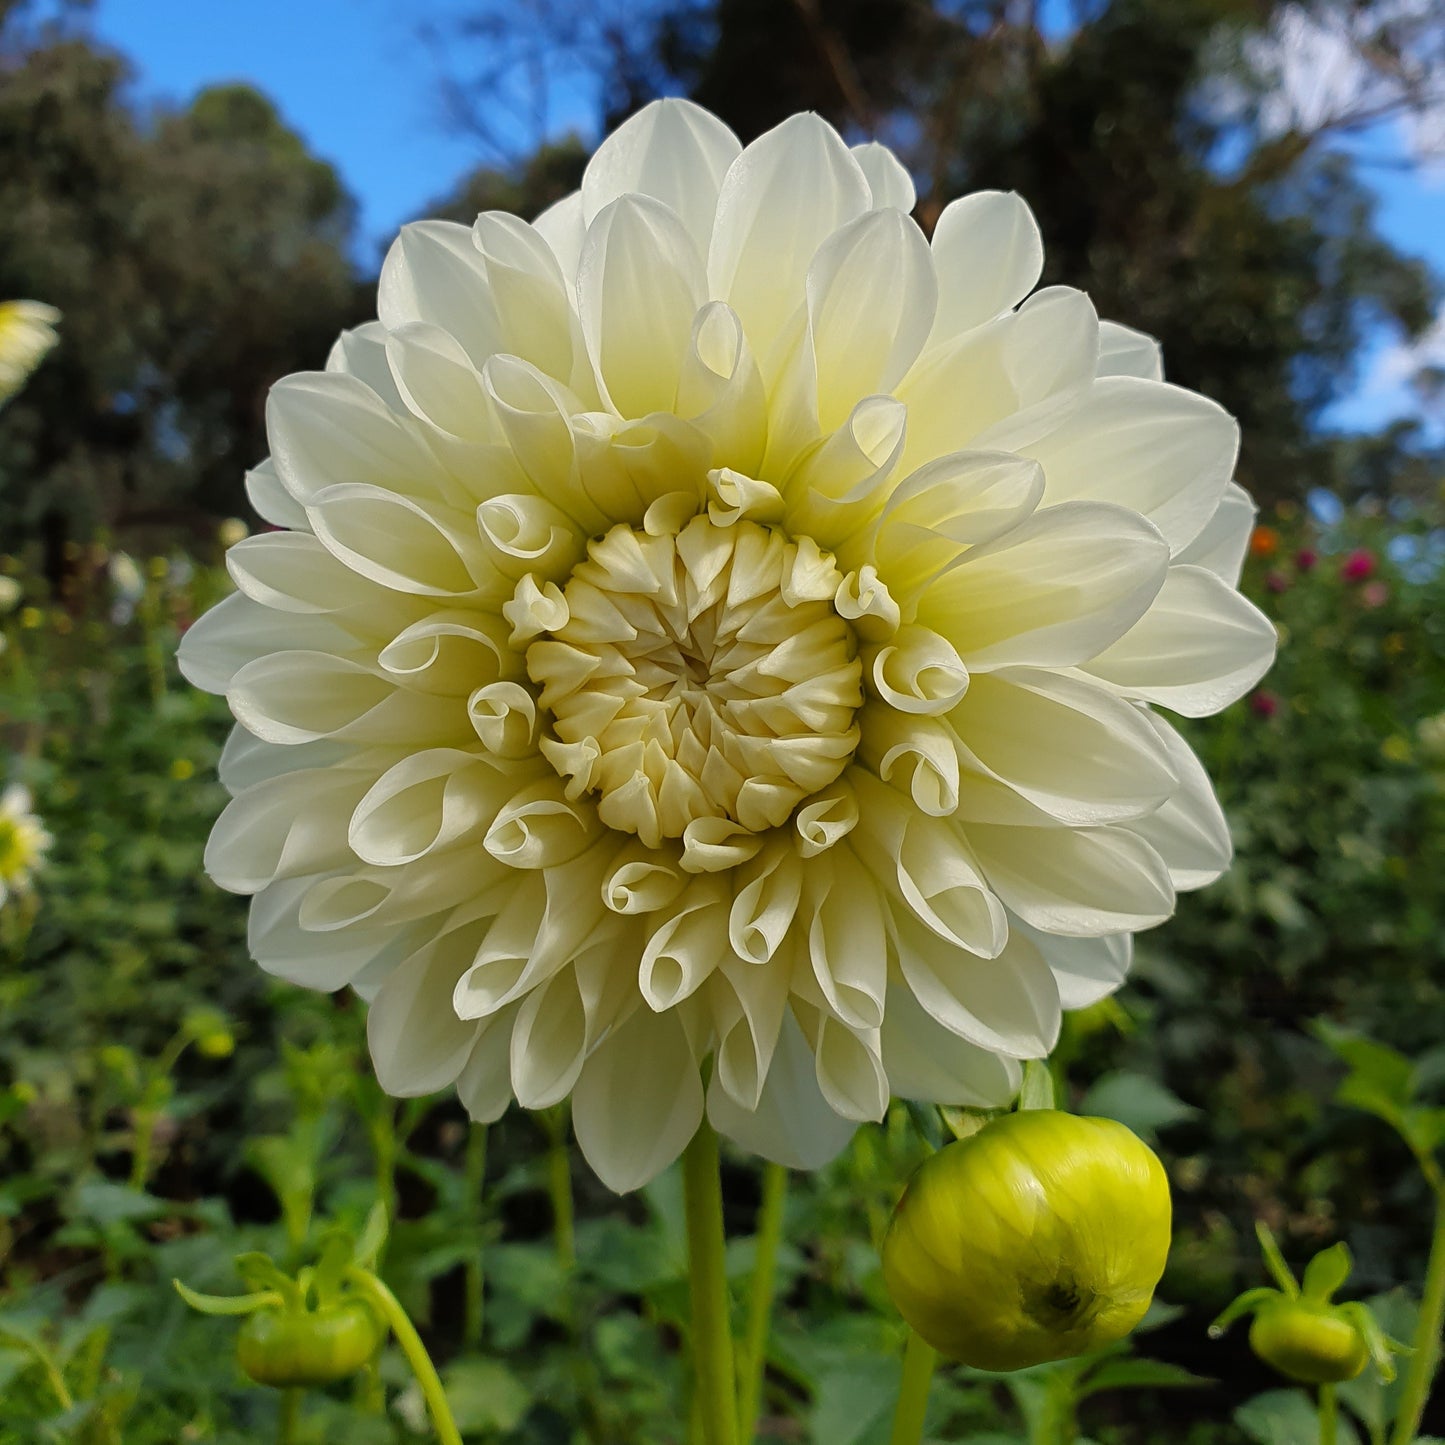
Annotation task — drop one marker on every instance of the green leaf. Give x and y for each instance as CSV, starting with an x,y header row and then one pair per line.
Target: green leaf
x,y
1137,1101
854,1405
1246,1304
485,1395
1423,1128
1381,1079
104,1203
1286,1417
1326,1272
1134,1374
230,1304
1274,1261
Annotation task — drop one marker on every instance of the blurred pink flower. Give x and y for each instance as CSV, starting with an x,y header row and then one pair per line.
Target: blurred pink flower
x,y
1264,704
1306,558
1276,581
1374,594
1358,565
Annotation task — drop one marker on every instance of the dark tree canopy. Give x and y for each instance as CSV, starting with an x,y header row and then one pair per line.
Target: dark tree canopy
x,y
197,255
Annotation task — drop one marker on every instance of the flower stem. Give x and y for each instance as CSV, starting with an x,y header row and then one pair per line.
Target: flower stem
x,y
714,1379
415,1352
289,1418
753,1364
1426,1344
918,1362
1329,1416
476,1175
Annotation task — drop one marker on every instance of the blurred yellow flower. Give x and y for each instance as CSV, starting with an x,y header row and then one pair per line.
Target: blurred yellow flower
x,y
23,842
27,332
231,531
31,618
182,769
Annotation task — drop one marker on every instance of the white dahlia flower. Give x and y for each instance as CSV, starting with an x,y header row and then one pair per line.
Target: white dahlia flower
x,y
711,660
27,332
23,842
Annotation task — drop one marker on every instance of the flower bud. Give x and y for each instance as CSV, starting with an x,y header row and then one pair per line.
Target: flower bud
x,y
287,1346
1038,1238
1312,1343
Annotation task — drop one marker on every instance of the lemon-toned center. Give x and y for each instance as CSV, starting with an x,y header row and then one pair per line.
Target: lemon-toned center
x,y
699,674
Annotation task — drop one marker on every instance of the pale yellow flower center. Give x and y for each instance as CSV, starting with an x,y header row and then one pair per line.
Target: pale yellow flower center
x,y
699,674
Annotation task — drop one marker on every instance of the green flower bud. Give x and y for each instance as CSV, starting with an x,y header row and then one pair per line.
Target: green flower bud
x,y
1312,1343
1038,1238
285,1346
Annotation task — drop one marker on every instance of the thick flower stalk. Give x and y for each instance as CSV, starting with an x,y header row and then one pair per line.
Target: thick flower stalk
x,y
27,333
716,623
23,842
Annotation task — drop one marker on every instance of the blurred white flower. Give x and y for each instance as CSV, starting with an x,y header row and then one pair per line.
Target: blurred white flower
x,y
716,623
231,531
23,842
27,333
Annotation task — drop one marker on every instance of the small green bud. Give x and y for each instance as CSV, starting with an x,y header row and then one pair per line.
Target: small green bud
x,y
1040,1237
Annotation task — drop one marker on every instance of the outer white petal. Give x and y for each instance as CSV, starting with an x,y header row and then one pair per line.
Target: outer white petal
x,y
1126,352
1065,584
989,255
780,200
671,150
1080,881
1199,647
361,352
246,760
271,501
1085,969
418,1044
563,228
640,284
1160,450
638,1101
871,297
1224,542
238,631
1190,832
1008,1005
926,1061
484,1085
792,1124
887,179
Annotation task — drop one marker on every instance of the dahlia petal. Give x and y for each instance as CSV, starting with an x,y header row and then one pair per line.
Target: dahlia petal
x,y
1078,881
961,500
683,949
1190,831
779,201
438,382
915,754
640,285
285,827
328,427
361,352
988,254
888,180
271,501
321,961
638,1101
1085,969
1126,352
430,801
247,760
793,1124
671,150
564,228
1071,749
720,389
1199,647
540,827
926,1061
840,485
484,1085
418,1044
641,881
1162,451
451,650
238,631
826,820
871,296
848,1064
847,946
748,1005
1224,542
405,894
504,717
765,905
918,672
1056,590
302,696
1008,1004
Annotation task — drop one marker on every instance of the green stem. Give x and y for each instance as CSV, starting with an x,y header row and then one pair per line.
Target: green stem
x,y
476,1176
559,1186
290,1417
714,1379
918,1362
415,1352
1329,1416
1421,1370
754,1356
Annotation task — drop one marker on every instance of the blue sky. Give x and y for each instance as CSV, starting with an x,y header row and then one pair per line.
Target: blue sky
x,y
354,78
